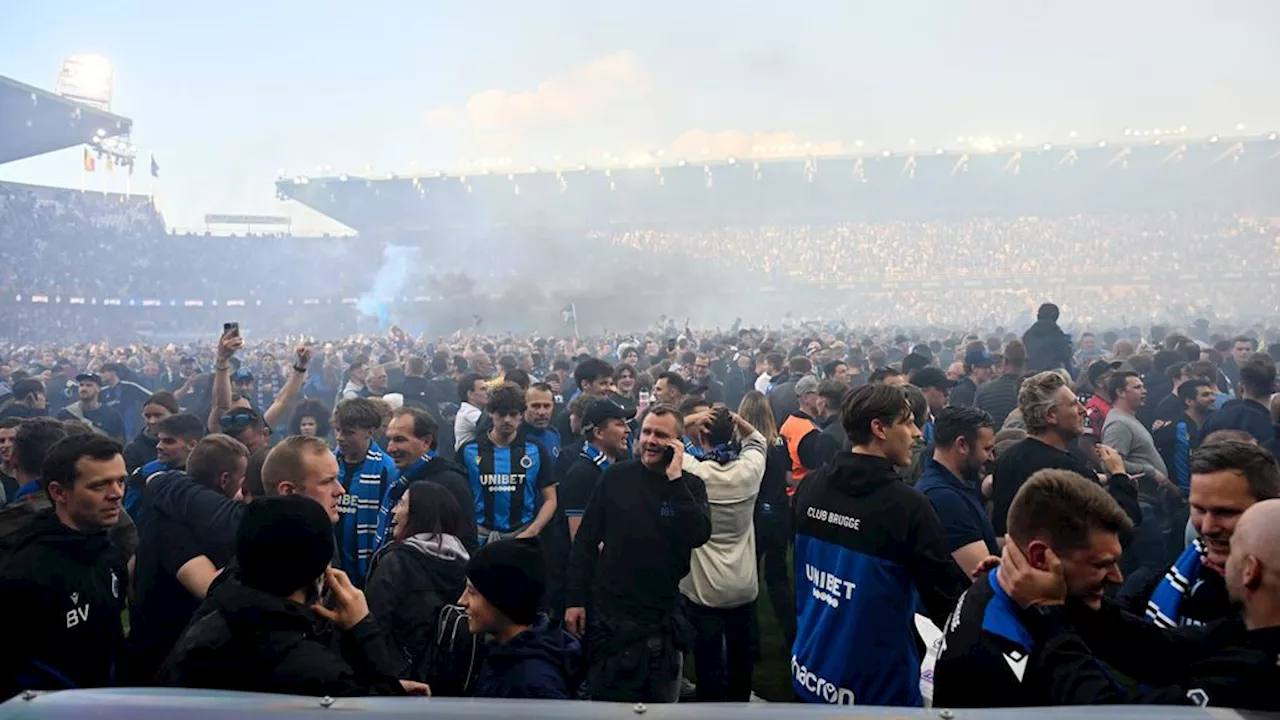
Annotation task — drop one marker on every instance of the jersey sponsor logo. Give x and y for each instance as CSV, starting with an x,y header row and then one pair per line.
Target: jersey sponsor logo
x,y
835,518
502,482
821,688
1017,662
828,587
347,504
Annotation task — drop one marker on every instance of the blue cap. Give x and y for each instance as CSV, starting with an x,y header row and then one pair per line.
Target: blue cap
x,y
242,375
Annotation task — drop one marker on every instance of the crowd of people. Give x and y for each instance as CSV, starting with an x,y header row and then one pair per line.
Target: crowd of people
x,y
1019,247
1084,518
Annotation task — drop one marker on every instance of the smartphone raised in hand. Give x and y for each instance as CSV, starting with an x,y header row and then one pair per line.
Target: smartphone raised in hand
x,y
231,327
668,457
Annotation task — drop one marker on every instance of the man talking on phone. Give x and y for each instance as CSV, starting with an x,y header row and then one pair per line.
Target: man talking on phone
x,y
650,514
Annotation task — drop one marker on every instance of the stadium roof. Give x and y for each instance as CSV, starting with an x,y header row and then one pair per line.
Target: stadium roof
x,y
1237,173
34,122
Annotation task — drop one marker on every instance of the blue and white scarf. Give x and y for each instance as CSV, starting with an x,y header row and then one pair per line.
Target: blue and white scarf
x,y
386,521
593,454
1162,608
692,448
357,543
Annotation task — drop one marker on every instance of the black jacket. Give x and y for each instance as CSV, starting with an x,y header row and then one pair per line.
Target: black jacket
x,y
448,475
1030,455
256,642
649,525
140,451
1221,665
542,662
408,583
63,592
1047,347
418,392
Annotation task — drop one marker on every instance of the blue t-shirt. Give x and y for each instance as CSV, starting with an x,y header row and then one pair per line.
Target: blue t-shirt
x,y
960,507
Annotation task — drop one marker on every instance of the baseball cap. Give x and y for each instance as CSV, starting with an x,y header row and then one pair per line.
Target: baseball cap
x,y
1100,366
805,385
601,411
91,377
931,377
235,421
242,375
977,358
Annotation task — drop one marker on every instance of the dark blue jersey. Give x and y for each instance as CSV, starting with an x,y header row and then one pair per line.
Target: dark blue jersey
x,y
507,482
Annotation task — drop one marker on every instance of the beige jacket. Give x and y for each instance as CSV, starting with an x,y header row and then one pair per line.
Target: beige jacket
x,y
722,573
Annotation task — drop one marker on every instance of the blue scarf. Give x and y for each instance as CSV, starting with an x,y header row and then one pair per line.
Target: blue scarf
x,y
389,501
357,543
692,449
591,453
723,453
1162,609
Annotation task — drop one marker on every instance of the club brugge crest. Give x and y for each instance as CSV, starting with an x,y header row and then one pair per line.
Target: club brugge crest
x,y
526,462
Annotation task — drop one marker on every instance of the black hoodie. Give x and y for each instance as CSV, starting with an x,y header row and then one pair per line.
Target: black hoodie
x,y
63,592
1048,348
408,583
541,662
253,641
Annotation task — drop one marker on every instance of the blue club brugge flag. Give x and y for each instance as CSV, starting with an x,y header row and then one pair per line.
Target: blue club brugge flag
x,y
155,167
570,314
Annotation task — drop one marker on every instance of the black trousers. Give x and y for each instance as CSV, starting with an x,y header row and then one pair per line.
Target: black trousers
x,y
634,662
722,651
773,545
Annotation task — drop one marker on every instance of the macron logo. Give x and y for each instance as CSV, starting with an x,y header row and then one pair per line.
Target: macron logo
x,y
1017,663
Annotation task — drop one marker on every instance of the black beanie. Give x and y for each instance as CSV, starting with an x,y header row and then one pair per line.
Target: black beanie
x,y
511,575
283,544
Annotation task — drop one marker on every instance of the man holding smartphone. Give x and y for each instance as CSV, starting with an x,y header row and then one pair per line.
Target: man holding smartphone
x,y
650,514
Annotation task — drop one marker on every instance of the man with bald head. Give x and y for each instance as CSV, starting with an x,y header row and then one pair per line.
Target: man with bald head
x,y
1233,662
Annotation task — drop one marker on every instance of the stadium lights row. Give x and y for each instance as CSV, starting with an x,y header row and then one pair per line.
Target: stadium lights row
x,y
488,166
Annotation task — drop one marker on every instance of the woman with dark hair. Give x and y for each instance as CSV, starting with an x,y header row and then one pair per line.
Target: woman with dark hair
x,y
421,569
311,418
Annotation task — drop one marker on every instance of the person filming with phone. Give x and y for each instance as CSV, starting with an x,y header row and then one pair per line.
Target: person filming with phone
x,y
650,514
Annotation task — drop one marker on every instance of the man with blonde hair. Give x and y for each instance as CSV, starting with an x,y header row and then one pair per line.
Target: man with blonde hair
x,y
1055,421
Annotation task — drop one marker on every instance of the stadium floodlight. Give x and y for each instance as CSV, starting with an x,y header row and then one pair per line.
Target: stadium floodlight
x,y
1048,146
959,139
733,160
343,177
1017,137
859,143
1272,136
88,79
886,153
1073,134
938,151
1182,128
1128,132
1213,138
1102,143
1239,126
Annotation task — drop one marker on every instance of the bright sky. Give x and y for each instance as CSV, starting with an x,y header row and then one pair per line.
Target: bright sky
x,y
227,93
